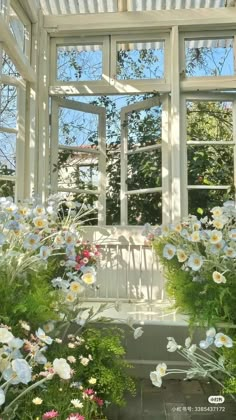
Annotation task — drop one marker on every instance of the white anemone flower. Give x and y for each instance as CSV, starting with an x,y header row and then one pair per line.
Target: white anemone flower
x,y
215,236
218,277
156,379
211,332
5,335
172,345
161,369
223,340
43,337
2,397
138,332
62,368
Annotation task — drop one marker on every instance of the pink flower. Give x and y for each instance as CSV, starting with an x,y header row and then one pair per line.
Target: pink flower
x,y
89,391
75,416
50,415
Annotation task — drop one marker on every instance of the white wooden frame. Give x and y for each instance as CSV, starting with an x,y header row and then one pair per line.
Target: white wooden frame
x,y
206,82
19,178
124,192
27,26
160,85
211,97
100,152
68,41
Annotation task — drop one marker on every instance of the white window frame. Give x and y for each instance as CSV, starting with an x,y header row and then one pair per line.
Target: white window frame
x,y
206,82
19,178
100,152
161,85
81,85
201,97
27,26
164,189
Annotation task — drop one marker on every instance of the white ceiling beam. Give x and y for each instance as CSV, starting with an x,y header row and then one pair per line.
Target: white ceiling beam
x,y
31,9
185,18
13,50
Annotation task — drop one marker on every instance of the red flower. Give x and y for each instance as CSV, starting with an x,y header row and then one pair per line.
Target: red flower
x,y
86,253
99,401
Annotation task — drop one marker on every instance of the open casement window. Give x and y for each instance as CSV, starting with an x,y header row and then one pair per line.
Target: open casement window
x,y
208,151
12,140
78,153
144,160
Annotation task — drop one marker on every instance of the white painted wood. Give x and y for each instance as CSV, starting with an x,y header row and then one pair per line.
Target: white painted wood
x,y
100,88
134,39
175,126
144,191
20,144
144,149
208,83
191,19
68,41
100,151
22,15
123,168
124,192
42,114
8,177
8,130
31,9
102,179
128,270
166,162
19,59
208,187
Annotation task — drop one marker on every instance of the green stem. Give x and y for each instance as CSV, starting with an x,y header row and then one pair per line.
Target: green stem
x,y
35,385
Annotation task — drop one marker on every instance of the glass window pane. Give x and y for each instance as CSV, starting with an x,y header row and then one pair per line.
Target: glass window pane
x,y
140,60
77,128
79,63
7,188
210,165
144,127
144,208
209,57
8,68
210,121
77,170
7,153
113,186
8,106
144,170
202,201
17,28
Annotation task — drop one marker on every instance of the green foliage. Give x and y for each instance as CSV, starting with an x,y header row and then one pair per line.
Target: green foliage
x,y
108,364
203,301
29,298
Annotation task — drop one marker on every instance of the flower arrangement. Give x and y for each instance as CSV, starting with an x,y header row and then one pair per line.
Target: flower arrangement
x,y
38,242
199,257
19,360
45,263
98,377
214,365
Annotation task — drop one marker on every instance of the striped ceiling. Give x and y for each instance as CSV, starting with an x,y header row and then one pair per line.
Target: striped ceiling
x,y
61,7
